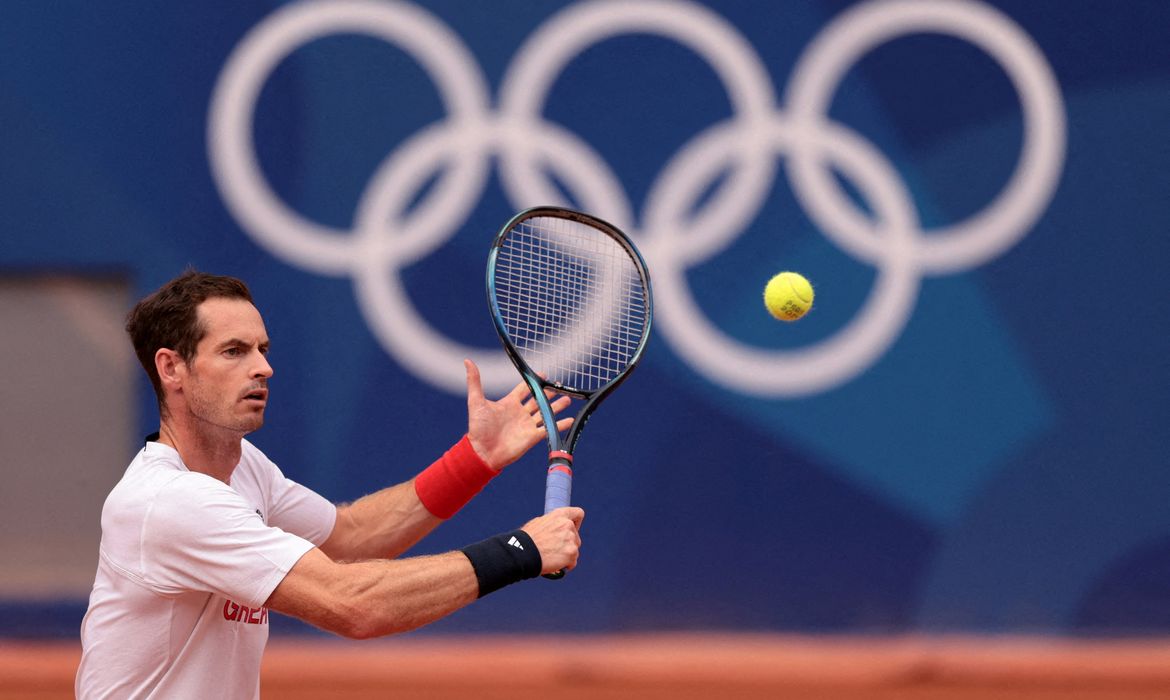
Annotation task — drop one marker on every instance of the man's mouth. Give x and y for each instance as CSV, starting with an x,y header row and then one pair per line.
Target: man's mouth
x,y
257,395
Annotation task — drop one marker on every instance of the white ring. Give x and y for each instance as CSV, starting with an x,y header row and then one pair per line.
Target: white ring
x,y
1009,217
530,78
531,149
759,372
232,153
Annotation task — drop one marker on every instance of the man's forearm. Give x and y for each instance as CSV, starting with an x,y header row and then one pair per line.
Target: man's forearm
x,y
381,525
387,523
366,599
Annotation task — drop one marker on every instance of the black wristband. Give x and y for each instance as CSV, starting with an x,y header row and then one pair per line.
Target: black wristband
x,y
504,559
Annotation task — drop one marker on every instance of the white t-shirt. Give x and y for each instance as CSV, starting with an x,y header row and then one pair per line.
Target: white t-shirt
x,y
185,566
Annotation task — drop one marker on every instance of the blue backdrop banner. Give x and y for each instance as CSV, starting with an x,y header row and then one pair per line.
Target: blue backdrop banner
x,y
967,433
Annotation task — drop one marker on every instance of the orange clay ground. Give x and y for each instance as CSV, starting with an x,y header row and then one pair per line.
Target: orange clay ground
x,y
675,667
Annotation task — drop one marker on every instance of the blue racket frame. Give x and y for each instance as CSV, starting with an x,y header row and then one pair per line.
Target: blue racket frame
x,y
558,488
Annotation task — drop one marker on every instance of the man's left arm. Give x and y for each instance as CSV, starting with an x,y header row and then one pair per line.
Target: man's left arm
x,y
381,525
389,522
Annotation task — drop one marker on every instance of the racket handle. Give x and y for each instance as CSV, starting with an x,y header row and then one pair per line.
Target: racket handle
x,y
558,487
558,491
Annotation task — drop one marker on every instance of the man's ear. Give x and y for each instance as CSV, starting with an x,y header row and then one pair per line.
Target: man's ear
x,y
171,368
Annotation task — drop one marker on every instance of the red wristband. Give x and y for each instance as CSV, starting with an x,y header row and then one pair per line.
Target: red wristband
x,y
453,480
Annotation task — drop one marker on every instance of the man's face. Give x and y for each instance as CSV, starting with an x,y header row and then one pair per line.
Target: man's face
x,y
226,386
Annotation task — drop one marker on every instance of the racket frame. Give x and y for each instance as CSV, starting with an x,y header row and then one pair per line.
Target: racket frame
x,y
561,450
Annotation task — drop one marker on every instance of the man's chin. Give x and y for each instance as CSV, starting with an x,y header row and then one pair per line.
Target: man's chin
x,y
253,422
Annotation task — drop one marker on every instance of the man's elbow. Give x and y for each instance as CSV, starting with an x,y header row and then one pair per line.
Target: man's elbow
x,y
358,629
352,622
358,622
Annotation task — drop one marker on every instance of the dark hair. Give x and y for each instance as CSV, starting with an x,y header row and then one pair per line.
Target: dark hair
x,y
169,318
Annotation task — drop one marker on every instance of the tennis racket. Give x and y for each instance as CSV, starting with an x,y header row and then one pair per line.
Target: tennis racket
x,y
570,297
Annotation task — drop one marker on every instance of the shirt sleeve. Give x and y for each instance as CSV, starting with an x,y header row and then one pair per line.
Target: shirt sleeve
x,y
298,509
201,535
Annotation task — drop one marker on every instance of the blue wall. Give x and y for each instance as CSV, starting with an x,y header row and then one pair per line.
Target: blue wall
x,y
966,434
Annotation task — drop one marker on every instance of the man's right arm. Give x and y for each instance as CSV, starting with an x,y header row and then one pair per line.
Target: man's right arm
x,y
375,598
360,600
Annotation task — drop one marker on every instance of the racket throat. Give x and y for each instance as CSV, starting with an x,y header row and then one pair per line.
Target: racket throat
x,y
560,462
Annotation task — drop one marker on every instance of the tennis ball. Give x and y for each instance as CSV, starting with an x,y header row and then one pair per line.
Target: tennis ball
x,y
788,296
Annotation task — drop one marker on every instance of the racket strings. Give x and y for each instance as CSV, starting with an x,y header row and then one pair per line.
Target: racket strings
x,y
572,300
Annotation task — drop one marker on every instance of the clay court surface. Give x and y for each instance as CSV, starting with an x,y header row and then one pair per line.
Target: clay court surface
x,y
680,667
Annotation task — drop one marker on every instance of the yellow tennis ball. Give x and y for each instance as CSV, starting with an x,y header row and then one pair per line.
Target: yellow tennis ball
x,y
788,296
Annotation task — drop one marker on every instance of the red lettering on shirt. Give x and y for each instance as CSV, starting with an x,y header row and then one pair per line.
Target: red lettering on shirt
x,y
234,612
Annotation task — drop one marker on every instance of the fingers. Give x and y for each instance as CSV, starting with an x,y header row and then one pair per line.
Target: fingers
x,y
562,425
573,513
577,515
557,406
474,384
519,393
557,536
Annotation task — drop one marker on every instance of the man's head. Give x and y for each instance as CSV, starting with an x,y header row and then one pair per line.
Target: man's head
x,y
203,322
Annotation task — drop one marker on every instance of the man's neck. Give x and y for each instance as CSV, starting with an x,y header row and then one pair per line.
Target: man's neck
x,y
215,453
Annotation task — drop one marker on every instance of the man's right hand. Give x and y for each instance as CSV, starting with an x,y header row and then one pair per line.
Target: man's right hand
x,y
557,537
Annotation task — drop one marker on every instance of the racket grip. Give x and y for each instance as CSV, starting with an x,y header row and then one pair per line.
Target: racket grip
x,y
558,487
558,492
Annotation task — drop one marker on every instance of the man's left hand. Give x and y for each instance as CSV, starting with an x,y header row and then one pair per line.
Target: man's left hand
x,y
502,431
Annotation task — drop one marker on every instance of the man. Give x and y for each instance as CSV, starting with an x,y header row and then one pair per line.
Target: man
x,y
203,535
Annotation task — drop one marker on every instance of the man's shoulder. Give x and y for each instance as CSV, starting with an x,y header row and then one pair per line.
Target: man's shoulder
x,y
153,468
154,486
157,478
253,457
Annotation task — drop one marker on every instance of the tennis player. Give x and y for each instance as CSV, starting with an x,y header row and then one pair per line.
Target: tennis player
x,y
204,535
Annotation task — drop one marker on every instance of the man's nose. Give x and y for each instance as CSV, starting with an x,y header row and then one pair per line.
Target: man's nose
x,y
263,369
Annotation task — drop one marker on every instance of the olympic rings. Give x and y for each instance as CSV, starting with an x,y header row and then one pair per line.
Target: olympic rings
x,y
750,146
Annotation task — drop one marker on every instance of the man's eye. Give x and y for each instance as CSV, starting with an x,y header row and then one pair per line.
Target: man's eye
x,y
232,352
